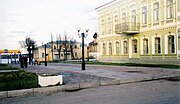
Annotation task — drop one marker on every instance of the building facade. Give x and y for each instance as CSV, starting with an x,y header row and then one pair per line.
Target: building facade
x,y
142,31
62,50
93,45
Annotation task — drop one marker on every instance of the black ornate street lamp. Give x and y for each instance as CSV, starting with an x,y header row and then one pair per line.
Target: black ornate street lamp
x,y
83,35
45,63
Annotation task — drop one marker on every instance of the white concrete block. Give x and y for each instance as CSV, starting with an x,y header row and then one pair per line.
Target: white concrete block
x,y
50,80
3,94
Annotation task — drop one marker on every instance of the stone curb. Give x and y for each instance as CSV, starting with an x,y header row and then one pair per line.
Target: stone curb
x,y
72,87
89,85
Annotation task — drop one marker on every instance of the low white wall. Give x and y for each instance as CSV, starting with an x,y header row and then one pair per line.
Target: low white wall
x,y
50,80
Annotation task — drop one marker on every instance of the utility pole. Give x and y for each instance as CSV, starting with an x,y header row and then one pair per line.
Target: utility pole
x,y
66,47
59,51
52,46
45,55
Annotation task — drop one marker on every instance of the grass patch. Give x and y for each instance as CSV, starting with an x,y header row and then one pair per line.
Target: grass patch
x,y
129,64
17,80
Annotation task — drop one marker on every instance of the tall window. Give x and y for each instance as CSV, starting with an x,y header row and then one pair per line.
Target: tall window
x,y
134,44
124,21
43,55
133,18
110,48
125,45
171,45
109,25
157,45
75,54
145,46
103,25
156,11
144,15
104,49
116,23
116,19
117,48
169,8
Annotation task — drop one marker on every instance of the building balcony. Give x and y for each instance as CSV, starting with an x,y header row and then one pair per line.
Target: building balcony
x,y
128,28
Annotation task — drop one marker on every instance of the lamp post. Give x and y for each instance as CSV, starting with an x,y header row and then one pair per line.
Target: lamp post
x,y
83,35
45,63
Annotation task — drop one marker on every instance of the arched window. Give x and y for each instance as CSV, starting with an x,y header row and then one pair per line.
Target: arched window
x,y
117,48
110,48
145,46
171,45
75,46
125,47
104,49
157,45
134,45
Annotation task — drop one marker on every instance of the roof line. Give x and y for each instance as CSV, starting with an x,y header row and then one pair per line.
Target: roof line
x,y
105,4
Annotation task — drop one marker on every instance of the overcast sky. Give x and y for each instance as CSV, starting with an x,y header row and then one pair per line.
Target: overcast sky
x,y
39,18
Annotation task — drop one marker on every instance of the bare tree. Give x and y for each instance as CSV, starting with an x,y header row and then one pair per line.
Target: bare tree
x,y
30,45
71,48
59,46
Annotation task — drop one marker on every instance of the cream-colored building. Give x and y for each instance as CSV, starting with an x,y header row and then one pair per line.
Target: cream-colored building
x,y
64,54
142,31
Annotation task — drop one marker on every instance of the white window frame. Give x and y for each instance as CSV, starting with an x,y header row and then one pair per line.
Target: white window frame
x,y
170,9
156,13
144,19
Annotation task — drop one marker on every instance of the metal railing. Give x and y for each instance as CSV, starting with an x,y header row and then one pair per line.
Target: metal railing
x,y
127,27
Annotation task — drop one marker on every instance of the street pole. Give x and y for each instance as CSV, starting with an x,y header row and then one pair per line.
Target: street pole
x,y
45,55
83,35
83,62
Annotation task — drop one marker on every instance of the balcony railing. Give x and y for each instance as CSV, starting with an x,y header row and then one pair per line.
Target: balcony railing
x,y
127,28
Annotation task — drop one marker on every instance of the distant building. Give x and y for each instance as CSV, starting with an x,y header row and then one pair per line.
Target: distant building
x,y
141,31
93,51
9,56
62,50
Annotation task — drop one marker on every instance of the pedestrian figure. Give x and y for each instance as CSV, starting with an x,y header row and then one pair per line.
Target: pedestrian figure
x,y
21,61
25,61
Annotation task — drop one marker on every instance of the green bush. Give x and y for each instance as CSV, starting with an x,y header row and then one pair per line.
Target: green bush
x,y
17,80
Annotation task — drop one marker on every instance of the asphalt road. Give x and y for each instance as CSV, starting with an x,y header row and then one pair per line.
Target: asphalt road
x,y
153,92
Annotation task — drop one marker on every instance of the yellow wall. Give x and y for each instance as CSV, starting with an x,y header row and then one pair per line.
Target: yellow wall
x,y
107,21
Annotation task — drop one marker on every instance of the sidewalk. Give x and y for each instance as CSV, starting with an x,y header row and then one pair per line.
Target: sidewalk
x,y
96,72
122,73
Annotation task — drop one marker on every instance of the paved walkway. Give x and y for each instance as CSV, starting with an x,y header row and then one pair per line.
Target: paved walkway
x,y
112,72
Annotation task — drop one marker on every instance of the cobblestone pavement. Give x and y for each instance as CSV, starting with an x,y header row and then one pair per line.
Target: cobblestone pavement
x,y
74,74
70,77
